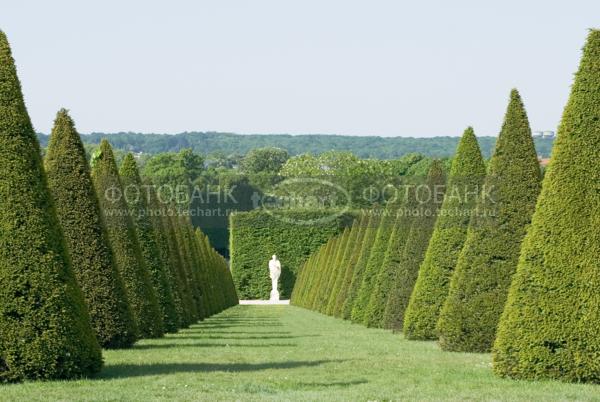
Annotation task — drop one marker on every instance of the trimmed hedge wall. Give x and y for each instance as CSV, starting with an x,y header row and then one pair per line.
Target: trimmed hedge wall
x,y
257,235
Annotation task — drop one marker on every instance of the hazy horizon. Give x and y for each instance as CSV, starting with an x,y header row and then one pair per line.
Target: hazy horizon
x,y
375,68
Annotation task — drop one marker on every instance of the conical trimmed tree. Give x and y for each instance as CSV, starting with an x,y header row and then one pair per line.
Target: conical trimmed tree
x,y
550,325
466,177
488,260
157,213
429,198
374,264
136,196
126,249
361,263
349,264
342,267
393,256
80,217
45,330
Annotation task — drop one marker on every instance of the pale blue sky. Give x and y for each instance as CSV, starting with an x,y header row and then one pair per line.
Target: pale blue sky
x,y
392,68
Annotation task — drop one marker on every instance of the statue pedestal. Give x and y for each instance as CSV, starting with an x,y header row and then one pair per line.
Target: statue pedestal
x,y
274,295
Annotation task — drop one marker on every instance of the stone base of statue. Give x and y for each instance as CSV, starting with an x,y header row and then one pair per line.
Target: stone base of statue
x,y
274,295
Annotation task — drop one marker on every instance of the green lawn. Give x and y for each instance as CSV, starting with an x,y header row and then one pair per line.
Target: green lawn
x,y
286,353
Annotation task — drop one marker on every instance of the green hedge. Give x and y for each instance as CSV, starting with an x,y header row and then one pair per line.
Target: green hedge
x,y
431,289
81,220
414,250
124,242
45,330
551,322
487,262
257,235
138,200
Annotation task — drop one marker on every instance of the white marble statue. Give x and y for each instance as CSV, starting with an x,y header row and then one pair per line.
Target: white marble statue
x,y
274,273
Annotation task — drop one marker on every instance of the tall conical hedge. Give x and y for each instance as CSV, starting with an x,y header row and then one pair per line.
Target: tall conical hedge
x,y
45,330
336,264
429,198
81,220
374,264
126,249
190,314
349,247
551,322
486,264
350,263
136,196
386,276
466,176
157,212
361,263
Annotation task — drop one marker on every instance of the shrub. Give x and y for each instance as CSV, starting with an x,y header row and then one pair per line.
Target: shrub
x,y
361,263
342,267
415,247
447,240
85,234
480,282
349,264
386,276
126,249
257,235
45,330
550,325
374,264
167,260
136,196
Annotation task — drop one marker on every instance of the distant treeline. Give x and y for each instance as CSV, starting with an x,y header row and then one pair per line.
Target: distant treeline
x,y
227,143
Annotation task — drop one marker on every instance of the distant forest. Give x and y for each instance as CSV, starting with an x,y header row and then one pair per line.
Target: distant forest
x,y
227,143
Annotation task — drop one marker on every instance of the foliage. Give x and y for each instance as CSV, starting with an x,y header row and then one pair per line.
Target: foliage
x,y
181,168
45,330
374,265
550,325
81,220
124,242
136,196
264,160
484,269
232,144
362,259
428,201
257,235
466,176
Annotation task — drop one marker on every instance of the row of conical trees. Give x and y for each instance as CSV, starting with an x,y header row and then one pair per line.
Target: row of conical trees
x,y
83,267
503,268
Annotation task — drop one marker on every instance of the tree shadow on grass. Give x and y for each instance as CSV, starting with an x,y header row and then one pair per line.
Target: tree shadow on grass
x,y
342,384
208,335
210,345
139,370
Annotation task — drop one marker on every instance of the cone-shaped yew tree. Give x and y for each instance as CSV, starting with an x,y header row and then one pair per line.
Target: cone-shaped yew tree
x,y
81,220
45,330
428,198
466,176
126,249
137,197
551,322
488,260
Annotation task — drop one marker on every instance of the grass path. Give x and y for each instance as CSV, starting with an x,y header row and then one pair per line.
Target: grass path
x,y
286,353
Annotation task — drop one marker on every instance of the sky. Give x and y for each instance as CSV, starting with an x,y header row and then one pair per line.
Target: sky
x,y
376,67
